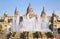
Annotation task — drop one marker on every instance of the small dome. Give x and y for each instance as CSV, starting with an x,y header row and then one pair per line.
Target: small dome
x,y
5,13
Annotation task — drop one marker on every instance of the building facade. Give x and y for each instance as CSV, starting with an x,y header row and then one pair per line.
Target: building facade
x,y
6,20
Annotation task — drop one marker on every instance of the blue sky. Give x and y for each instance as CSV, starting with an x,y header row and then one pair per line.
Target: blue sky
x,y
10,5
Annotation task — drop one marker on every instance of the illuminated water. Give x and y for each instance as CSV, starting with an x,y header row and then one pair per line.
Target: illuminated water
x,y
30,25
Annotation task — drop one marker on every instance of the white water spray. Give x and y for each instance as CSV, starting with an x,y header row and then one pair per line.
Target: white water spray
x,y
30,25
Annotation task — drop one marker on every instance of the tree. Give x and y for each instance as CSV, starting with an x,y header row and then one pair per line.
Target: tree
x,y
49,35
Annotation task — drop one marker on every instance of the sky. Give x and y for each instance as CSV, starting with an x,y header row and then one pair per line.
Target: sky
x,y
10,5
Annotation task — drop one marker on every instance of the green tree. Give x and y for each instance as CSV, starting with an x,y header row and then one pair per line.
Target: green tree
x,y
49,35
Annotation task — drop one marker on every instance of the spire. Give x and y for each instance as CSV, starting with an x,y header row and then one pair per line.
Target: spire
x,y
29,9
43,11
16,11
29,4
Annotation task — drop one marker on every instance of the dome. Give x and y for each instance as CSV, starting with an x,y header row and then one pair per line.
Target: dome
x,y
5,13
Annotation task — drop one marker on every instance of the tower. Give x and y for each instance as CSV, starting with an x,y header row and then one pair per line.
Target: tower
x,y
43,14
16,12
5,17
30,12
29,9
55,17
54,22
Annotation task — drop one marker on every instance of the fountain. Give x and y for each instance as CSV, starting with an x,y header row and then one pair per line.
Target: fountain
x,y
45,25
15,25
30,25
